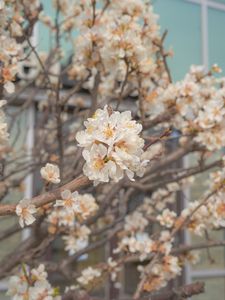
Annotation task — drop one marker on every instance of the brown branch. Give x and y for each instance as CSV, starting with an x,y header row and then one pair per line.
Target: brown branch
x,y
76,184
187,248
183,292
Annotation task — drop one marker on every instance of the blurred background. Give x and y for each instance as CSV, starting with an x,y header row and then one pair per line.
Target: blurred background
x,y
196,35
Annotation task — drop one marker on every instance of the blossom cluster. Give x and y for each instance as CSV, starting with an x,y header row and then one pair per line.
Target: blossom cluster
x,y
112,146
12,24
69,212
11,28
144,247
118,53
31,284
77,239
197,103
82,206
122,39
209,212
88,275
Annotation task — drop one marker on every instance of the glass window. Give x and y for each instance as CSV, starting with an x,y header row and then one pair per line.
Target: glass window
x,y
3,296
183,22
17,139
216,24
219,1
44,34
213,258
45,37
214,289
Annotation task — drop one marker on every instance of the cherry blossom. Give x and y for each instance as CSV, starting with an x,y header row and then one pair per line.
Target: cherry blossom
x,y
50,173
25,210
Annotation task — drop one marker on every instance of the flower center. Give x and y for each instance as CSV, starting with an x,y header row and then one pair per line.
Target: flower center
x,y
108,132
99,163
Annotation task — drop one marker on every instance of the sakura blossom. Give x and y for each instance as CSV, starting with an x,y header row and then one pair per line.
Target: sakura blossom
x,y
31,284
69,201
114,149
138,155
77,239
88,275
25,210
50,173
167,218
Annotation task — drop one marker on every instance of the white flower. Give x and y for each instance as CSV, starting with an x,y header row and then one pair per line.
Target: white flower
x,y
98,167
112,146
87,205
69,201
88,275
41,290
33,286
9,87
77,240
17,287
39,273
50,173
135,222
171,266
25,211
167,218
113,268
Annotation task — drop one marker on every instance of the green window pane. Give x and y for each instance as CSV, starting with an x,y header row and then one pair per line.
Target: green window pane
x,y
219,1
214,289
3,296
183,21
214,258
46,39
17,139
216,19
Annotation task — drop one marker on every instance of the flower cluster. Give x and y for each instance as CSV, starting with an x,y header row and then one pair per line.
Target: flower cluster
x,y
58,218
135,222
112,146
209,212
82,206
31,284
11,27
77,239
123,40
161,273
67,216
167,218
88,275
113,268
196,104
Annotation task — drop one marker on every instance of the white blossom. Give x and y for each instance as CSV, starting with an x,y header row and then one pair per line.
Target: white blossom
x,y
88,275
69,201
25,210
112,146
50,173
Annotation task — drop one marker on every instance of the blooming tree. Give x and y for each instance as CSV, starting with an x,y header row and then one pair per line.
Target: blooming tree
x,y
110,152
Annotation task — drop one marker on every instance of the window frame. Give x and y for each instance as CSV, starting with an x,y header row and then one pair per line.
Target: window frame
x,y
205,6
